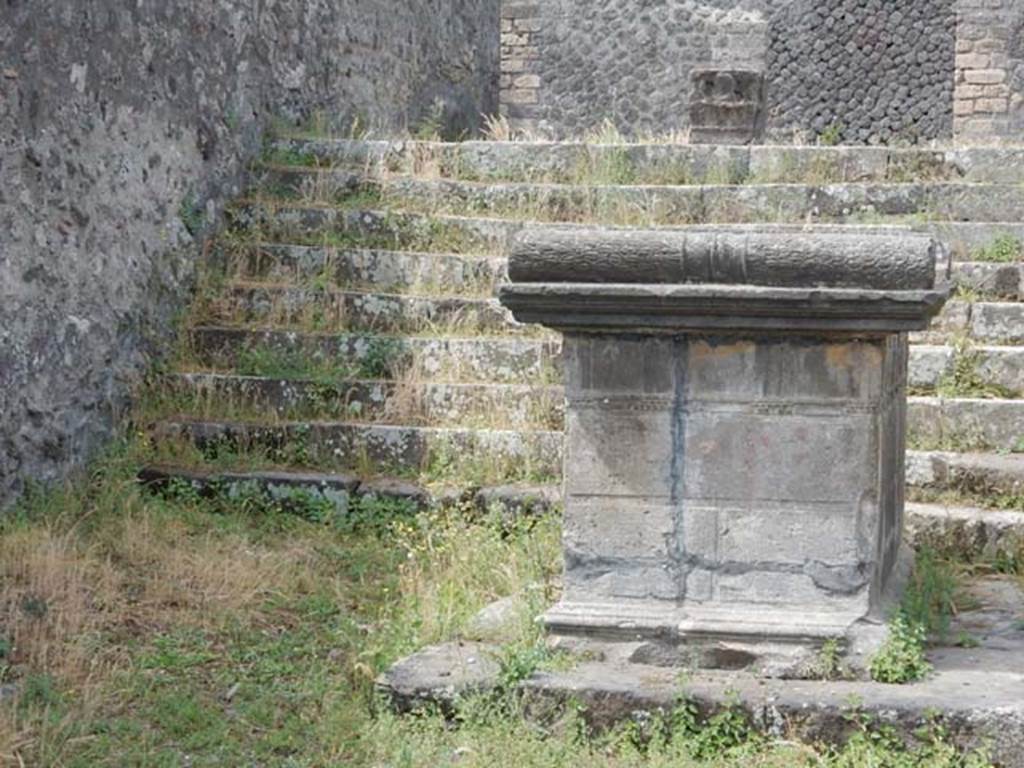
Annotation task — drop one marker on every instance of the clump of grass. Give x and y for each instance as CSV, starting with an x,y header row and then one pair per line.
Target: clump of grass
x,y
965,378
832,135
1003,249
931,599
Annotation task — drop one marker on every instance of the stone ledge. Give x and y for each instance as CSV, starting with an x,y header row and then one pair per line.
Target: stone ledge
x,y
678,308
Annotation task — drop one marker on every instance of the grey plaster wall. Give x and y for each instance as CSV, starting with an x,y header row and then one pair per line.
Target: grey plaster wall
x,y
866,71
875,68
123,129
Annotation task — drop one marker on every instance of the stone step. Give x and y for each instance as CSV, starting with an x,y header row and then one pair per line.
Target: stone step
x,y
988,279
329,310
966,423
1000,368
293,490
679,163
966,533
504,359
507,360
970,534
332,310
986,322
407,401
395,271
676,205
936,423
976,474
501,456
377,228
401,271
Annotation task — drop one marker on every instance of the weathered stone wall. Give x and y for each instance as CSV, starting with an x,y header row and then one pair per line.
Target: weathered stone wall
x,y
570,65
124,126
876,70
865,71
990,69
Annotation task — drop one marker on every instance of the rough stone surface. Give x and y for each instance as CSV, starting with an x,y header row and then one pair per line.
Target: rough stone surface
x,y
965,533
884,72
894,262
862,71
123,127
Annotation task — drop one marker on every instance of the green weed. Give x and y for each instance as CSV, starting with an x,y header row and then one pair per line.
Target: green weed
x,y
1003,249
901,658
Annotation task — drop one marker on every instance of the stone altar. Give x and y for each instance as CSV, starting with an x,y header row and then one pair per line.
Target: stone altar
x,y
736,408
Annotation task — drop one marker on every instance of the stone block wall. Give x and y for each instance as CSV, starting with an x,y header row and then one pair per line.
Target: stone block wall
x,y
568,66
123,129
862,71
989,99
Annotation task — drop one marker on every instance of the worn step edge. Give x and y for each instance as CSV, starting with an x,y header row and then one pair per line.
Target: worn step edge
x,y
998,422
967,533
988,322
990,423
494,234
366,310
510,501
510,359
410,271
339,443
725,203
408,402
760,161
429,273
976,473
505,359
261,302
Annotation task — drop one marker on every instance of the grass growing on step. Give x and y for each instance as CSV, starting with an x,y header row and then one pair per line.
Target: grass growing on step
x,y
360,229
966,379
1003,249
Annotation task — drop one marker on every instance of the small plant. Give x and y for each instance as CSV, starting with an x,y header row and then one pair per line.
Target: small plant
x,y
832,135
191,213
829,664
931,596
606,133
381,358
497,128
965,639
901,658
517,663
965,378
1004,249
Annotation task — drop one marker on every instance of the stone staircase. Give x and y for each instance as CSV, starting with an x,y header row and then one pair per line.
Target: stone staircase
x,y
347,329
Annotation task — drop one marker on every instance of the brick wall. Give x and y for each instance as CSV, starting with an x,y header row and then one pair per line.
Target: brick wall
x,y
521,31
989,95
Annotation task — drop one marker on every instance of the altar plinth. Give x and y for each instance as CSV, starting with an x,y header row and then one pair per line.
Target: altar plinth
x,y
735,435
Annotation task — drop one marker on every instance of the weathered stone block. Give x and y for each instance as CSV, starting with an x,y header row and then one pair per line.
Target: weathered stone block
x,y
727,106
